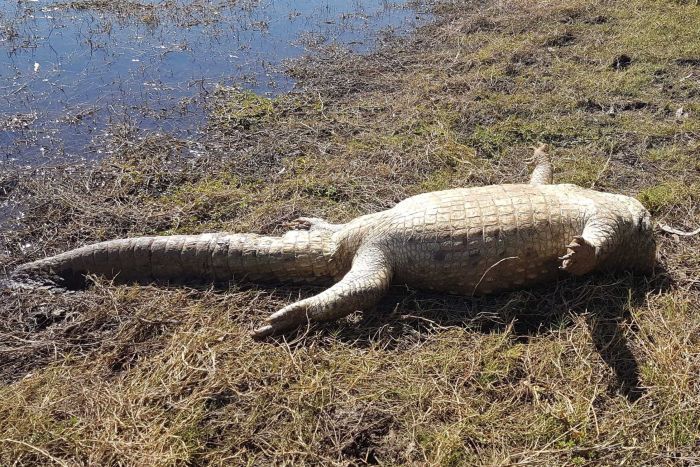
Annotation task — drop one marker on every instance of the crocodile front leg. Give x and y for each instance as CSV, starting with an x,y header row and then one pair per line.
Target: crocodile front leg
x,y
361,288
600,236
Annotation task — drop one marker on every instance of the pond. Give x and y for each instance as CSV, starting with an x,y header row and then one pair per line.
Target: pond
x,y
71,70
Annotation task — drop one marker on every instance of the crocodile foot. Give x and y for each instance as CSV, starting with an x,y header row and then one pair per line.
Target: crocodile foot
x,y
580,257
312,224
285,319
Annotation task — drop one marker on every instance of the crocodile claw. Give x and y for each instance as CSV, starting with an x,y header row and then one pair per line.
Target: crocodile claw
x,y
270,329
580,257
283,320
301,223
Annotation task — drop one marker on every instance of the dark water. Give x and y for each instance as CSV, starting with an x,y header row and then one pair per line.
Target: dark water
x,y
69,73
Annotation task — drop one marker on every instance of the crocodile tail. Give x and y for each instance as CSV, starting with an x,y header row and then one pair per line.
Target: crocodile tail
x,y
298,256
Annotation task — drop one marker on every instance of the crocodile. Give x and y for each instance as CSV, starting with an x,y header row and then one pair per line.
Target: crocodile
x,y
467,241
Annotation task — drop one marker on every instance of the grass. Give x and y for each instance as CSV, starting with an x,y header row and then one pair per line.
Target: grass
x,y
667,195
597,371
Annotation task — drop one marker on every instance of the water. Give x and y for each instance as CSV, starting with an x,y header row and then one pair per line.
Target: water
x,y
69,73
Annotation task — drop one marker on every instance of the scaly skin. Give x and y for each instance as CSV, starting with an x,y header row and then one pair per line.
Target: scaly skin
x,y
465,241
297,256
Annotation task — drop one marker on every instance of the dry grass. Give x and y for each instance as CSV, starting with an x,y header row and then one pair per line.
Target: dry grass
x,y
596,371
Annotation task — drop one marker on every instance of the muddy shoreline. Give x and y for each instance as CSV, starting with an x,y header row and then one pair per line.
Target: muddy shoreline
x,y
74,72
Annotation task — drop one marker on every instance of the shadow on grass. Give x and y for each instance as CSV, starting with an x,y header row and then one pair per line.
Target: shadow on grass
x,y
407,317
604,300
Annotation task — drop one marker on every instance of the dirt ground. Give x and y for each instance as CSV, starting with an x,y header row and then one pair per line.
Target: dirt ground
x,y
602,370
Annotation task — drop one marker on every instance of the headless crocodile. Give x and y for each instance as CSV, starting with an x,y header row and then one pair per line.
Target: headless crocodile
x,y
467,241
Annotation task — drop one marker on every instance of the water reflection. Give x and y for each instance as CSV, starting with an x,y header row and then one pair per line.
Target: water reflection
x,y
69,69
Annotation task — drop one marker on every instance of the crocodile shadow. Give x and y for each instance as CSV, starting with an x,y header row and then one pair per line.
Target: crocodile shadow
x,y
603,301
405,316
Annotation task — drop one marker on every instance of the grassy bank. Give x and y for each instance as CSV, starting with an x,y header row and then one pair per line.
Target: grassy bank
x,y
599,371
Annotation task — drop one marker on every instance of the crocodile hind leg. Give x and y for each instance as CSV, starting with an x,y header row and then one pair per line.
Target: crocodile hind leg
x,y
542,174
313,224
362,287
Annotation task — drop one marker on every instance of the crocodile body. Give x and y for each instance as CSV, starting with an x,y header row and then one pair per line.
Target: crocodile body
x,y
465,241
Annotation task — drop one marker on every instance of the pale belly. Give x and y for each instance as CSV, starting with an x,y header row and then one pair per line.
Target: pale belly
x,y
482,240
480,245
464,273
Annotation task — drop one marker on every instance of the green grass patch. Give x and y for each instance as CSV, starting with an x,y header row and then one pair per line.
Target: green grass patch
x,y
665,196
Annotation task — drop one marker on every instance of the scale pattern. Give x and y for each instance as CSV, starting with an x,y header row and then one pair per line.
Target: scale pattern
x,y
485,239
298,256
